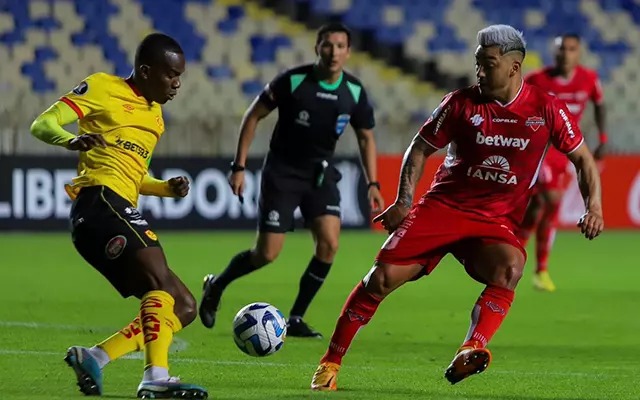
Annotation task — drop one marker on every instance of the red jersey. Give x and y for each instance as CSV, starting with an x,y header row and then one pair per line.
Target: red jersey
x,y
576,91
581,87
495,150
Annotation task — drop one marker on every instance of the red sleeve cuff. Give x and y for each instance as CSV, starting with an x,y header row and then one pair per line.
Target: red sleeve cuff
x,y
429,143
575,147
73,106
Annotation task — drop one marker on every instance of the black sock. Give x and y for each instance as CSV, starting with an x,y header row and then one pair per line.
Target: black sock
x,y
240,265
310,283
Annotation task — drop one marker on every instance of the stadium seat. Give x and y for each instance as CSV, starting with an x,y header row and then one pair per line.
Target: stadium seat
x,y
233,48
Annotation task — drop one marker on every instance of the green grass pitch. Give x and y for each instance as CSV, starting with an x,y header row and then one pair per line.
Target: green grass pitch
x,y
578,343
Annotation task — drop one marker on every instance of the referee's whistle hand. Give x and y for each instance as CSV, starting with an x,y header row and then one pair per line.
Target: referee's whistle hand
x,y
236,181
86,142
179,185
375,200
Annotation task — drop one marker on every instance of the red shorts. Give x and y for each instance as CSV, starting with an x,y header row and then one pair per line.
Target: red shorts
x,y
553,173
551,178
433,229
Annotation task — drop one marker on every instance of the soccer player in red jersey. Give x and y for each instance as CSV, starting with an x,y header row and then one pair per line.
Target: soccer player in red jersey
x,y
496,133
575,85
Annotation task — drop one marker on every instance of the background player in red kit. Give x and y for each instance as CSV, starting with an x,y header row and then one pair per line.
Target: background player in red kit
x,y
575,85
497,133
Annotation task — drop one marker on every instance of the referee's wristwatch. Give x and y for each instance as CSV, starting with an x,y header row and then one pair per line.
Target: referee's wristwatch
x,y
371,184
236,167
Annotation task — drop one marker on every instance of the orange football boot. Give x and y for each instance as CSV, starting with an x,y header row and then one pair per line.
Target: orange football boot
x,y
468,361
325,377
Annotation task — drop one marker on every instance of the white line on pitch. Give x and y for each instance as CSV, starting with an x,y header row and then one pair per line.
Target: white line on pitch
x,y
181,345
177,345
312,366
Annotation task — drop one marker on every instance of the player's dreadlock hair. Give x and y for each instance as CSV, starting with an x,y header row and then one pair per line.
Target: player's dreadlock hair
x,y
333,28
153,47
506,37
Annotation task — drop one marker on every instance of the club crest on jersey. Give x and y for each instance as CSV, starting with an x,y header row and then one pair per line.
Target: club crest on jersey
x,y
341,123
534,123
81,88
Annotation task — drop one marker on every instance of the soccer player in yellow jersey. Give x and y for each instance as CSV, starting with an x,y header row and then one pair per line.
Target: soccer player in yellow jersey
x,y
120,122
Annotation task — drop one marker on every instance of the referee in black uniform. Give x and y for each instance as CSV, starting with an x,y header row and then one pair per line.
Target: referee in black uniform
x,y
315,103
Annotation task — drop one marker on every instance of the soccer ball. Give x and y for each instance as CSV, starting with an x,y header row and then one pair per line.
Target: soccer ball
x,y
259,329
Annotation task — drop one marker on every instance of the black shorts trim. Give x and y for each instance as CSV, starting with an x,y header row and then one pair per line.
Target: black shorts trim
x,y
104,199
108,231
282,193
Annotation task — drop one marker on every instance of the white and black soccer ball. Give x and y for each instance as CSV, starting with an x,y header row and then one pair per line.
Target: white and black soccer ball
x,y
259,329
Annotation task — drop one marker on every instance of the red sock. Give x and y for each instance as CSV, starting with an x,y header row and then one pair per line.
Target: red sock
x,y
546,234
487,315
356,312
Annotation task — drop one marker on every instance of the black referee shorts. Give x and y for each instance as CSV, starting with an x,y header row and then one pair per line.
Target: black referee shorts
x,y
281,193
107,231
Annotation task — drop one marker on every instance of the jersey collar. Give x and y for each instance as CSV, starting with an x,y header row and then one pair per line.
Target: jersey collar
x,y
514,99
329,86
565,81
133,87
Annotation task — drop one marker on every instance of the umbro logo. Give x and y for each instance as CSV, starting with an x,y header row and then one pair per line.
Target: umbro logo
x,y
495,308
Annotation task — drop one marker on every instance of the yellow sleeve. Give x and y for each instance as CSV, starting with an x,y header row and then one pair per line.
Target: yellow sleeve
x,y
155,187
89,97
48,127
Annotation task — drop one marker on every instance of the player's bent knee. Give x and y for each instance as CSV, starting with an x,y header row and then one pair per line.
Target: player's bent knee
x,y
185,307
375,282
267,248
383,279
510,273
264,256
326,249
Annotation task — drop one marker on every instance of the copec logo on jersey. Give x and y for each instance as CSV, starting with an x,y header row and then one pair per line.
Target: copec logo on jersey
x,y
502,141
494,169
33,195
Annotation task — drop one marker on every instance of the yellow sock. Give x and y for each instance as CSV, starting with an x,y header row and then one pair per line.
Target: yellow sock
x,y
125,341
159,323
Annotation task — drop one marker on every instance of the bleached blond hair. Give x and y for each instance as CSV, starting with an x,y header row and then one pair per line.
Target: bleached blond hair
x,y
506,37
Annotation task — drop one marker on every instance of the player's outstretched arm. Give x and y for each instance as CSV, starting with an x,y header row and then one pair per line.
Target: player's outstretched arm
x,y
410,174
411,170
48,127
592,223
174,187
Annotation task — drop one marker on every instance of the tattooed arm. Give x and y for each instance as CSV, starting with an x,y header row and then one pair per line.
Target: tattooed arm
x,y
436,133
410,173
411,170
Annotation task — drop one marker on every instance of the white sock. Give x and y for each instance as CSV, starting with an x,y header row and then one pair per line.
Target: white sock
x,y
155,374
99,355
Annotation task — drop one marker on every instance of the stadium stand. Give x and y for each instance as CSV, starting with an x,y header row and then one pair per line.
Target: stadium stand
x,y
408,55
